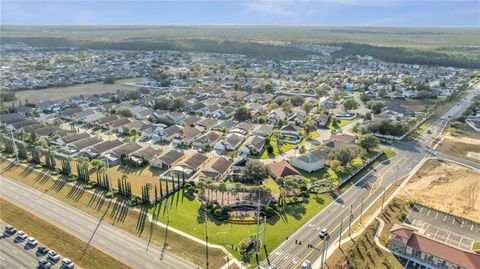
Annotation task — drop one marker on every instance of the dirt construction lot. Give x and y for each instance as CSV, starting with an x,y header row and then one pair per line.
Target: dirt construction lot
x,y
446,186
61,93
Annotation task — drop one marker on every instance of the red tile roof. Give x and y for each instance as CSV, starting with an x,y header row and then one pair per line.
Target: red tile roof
x,y
443,250
283,169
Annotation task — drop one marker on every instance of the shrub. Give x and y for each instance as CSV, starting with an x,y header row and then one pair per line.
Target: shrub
x,y
108,195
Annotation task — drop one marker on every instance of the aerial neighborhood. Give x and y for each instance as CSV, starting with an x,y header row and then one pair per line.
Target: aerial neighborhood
x,y
244,139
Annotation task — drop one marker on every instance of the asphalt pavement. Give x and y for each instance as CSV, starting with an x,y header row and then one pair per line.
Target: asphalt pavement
x,y
16,254
121,245
351,204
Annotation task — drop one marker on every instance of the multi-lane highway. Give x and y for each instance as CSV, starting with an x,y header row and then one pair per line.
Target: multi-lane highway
x,y
126,248
350,205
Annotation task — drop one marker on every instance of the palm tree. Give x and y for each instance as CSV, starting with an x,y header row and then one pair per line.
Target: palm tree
x,y
223,187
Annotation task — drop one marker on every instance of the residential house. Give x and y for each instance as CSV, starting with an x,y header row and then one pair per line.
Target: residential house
x,y
100,148
187,135
297,118
206,141
169,133
283,169
231,142
69,138
327,102
206,124
186,168
167,160
311,161
254,145
291,134
263,130
276,115
72,149
216,169
145,156
339,140
321,120
237,168
114,156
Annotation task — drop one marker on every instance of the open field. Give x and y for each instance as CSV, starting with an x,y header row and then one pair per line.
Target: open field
x,y
62,93
446,186
461,141
119,215
48,234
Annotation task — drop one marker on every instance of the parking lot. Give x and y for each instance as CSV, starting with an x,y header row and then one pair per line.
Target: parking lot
x,y
17,253
444,227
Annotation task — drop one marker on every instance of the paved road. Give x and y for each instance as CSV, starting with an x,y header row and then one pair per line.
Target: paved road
x,y
14,254
349,206
121,245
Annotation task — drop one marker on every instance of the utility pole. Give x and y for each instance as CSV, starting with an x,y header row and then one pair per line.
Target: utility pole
x,y
361,210
14,146
350,221
258,224
265,230
340,236
383,198
323,255
206,235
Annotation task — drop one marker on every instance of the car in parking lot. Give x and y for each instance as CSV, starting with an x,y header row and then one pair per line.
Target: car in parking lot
x,y
32,241
42,250
67,263
53,256
43,263
306,265
21,235
10,229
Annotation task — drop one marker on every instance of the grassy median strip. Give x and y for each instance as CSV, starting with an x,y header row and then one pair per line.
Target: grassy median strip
x,y
54,238
114,212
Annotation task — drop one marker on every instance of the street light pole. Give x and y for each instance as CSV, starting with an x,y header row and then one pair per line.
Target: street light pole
x,y
340,236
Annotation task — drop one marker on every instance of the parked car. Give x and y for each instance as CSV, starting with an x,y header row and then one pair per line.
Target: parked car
x,y
2,235
53,256
306,265
32,241
42,249
10,229
272,267
21,235
43,263
67,263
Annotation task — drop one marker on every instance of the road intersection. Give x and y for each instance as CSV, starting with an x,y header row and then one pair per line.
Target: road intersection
x,y
350,205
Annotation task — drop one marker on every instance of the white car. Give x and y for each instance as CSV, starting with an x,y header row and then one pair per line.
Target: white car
x,y
52,255
272,267
67,263
323,233
32,241
306,265
21,235
2,234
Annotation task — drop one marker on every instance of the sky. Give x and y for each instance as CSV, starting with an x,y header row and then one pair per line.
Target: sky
x,y
403,13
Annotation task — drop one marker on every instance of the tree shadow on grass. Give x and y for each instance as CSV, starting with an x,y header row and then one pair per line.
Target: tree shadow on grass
x,y
120,210
96,197
58,185
142,219
76,192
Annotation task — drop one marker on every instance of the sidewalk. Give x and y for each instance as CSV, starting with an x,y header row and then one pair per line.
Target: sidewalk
x,y
230,257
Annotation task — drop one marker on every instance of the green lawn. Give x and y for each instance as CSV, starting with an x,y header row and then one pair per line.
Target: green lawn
x,y
340,124
286,146
184,215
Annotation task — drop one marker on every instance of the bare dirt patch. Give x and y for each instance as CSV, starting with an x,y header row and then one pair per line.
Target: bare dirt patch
x,y
61,93
446,186
460,146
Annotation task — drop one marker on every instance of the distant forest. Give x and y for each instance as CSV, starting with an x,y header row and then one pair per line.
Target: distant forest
x,y
457,47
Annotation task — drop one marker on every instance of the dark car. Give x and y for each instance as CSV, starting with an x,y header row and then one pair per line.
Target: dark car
x,y
9,229
42,250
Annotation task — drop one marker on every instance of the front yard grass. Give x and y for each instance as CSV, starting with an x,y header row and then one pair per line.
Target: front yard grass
x,y
184,214
55,238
